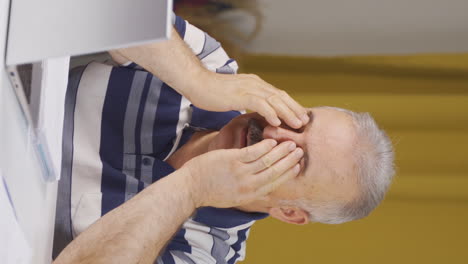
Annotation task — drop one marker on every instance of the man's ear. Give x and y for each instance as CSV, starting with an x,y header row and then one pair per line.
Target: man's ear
x,y
290,215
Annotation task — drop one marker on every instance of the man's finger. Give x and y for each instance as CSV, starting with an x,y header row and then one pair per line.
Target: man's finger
x,y
300,111
270,158
280,167
289,174
254,152
284,112
262,107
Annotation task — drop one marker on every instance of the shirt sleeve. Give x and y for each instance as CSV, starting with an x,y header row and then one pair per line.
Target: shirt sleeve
x,y
208,50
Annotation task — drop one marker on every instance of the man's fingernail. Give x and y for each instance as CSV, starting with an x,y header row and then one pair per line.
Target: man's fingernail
x,y
305,118
298,123
299,152
297,168
277,122
292,146
273,142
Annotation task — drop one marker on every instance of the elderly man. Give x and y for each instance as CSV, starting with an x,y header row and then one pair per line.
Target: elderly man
x,y
128,129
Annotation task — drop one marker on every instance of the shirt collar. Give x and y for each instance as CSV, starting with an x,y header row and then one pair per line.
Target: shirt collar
x,y
211,120
225,217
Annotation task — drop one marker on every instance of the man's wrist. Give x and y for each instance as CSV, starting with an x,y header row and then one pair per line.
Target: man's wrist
x,y
190,186
198,83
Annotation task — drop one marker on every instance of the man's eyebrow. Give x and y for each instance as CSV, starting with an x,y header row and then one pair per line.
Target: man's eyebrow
x,y
306,162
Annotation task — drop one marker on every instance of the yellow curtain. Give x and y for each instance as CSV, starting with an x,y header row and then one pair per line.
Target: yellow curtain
x,y
422,102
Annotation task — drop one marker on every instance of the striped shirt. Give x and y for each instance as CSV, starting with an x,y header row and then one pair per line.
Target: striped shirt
x,y
121,124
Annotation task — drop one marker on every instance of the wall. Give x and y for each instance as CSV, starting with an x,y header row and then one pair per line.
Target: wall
x,y
422,102
340,27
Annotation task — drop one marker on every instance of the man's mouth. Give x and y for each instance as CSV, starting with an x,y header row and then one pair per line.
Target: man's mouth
x,y
254,132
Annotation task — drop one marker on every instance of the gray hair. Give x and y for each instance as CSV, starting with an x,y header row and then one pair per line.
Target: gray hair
x,y
374,158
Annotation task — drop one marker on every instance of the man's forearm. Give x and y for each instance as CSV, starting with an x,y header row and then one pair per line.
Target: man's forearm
x,y
167,60
136,231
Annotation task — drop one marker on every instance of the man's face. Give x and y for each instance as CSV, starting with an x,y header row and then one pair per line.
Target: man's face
x,y
327,167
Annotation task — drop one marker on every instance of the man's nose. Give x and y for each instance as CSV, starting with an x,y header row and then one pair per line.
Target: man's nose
x,y
281,134
273,133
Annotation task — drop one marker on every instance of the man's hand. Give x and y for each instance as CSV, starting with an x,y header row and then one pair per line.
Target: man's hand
x,y
224,92
232,177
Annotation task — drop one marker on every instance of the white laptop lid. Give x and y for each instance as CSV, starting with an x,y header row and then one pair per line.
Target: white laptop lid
x,y
53,28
